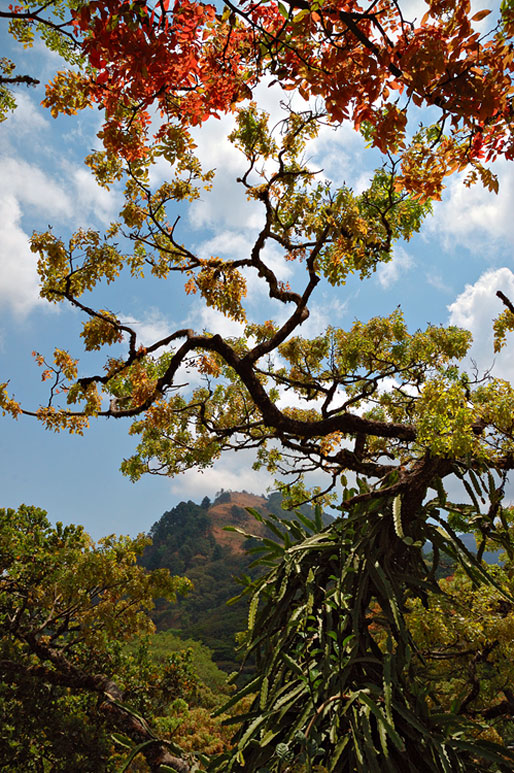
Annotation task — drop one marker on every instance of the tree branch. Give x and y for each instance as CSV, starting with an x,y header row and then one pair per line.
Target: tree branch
x,y
65,674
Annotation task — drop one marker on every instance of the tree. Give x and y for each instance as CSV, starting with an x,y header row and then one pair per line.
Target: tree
x,y
370,66
464,638
343,627
30,21
66,607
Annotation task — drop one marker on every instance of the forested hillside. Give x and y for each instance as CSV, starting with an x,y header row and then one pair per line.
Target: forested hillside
x,y
191,540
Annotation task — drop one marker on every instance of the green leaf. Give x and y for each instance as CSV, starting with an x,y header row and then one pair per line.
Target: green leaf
x,y
264,693
134,753
395,738
122,740
293,665
248,688
254,603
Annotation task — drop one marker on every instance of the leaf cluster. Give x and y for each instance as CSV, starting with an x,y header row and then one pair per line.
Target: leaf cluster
x,y
337,681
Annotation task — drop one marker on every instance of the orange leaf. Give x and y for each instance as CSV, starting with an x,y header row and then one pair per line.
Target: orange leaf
x,y
480,15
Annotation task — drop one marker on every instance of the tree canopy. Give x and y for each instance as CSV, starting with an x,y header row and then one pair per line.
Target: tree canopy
x,y
375,76
28,22
391,408
66,607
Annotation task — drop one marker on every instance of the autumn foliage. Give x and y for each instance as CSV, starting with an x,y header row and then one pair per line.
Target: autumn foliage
x,y
159,70
390,408
367,65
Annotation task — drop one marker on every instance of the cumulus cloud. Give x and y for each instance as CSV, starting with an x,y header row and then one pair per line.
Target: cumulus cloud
x,y
32,187
225,206
389,273
30,195
340,154
19,288
207,318
437,281
152,327
336,153
70,196
328,311
474,309
474,217
233,471
229,245
90,199
27,119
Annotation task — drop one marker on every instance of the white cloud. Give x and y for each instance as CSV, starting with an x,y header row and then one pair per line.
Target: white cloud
x,y
288,398
26,191
474,309
389,273
437,281
328,311
474,217
336,152
77,197
229,245
31,186
90,199
153,326
27,119
341,154
48,62
19,287
225,206
273,256
237,245
233,471
210,319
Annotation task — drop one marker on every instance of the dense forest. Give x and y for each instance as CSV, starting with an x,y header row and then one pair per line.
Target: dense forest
x,y
80,661
191,540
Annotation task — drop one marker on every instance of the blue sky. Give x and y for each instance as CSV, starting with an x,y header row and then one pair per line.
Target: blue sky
x,y
450,272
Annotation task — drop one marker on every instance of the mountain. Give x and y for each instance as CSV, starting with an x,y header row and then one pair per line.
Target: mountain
x,y
190,540
490,557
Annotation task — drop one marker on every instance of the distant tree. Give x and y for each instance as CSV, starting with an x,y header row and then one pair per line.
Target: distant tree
x,y
177,537
206,503
238,513
465,640
362,656
183,542
162,644
222,497
66,607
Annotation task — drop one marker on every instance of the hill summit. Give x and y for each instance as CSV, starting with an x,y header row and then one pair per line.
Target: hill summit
x,y
190,535
190,540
